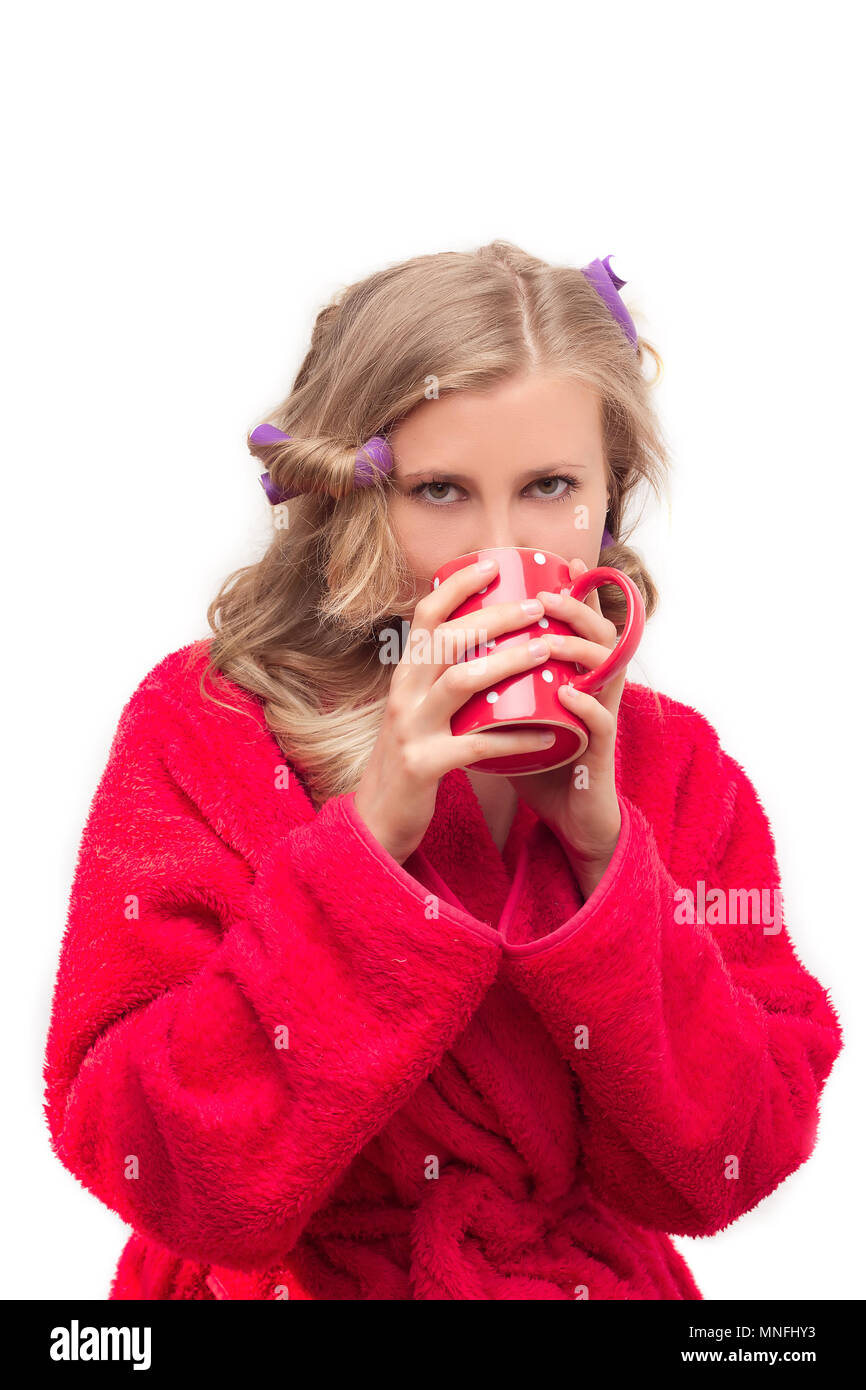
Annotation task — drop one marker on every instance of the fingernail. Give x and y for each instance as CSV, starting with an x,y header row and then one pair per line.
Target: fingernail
x,y
555,639
538,647
533,606
486,565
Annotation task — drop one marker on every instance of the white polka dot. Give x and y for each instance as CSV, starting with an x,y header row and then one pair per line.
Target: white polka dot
x,y
492,697
491,643
539,558
547,675
436,583
542,622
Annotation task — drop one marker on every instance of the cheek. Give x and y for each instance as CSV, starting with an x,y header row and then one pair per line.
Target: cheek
x,y
425,534
577,528
419,542
585,523
588,510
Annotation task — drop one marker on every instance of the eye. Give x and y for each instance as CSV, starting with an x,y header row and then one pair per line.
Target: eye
x,y
572,485
432,483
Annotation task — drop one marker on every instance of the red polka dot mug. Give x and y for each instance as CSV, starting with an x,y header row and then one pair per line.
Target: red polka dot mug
x,y
529,697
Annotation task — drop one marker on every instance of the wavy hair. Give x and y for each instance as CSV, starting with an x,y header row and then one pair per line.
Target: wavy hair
x,y
301,629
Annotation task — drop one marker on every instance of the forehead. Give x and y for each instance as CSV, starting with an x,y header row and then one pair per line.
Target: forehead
x,y
522,421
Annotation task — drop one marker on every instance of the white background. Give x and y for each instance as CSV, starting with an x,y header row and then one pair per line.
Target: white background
x,y
187,184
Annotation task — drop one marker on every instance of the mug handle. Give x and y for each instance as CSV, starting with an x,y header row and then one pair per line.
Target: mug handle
x,y
593,681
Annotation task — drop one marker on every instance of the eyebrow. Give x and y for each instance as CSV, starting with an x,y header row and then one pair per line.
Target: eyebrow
x,y
464,477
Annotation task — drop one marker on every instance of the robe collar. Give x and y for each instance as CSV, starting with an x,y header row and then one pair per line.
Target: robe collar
x,y
461,851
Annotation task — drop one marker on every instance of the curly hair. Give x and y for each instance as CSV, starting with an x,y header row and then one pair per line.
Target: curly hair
x,y
300,628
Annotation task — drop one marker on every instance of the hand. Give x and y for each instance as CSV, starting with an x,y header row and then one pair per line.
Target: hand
x,y
583,814
396,795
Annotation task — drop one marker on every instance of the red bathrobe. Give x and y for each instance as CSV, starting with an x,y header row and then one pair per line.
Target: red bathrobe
x,y
297,1068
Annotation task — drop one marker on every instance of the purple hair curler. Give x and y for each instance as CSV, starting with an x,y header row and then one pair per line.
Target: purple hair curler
x,y
372,459
608,284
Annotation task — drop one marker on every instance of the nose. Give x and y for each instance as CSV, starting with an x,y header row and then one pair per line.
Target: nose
x,y
502,532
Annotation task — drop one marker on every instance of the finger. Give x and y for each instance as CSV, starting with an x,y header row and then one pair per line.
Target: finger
x,y
495,743
462,640
440,602
465,678
495,619
610,694
577,649
593,600
431,612
576,568
599,720
587,621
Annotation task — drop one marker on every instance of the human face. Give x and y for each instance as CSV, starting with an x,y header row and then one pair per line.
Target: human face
x,y
519,465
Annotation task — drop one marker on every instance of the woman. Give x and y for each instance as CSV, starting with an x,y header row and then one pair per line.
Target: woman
x,y
338,1018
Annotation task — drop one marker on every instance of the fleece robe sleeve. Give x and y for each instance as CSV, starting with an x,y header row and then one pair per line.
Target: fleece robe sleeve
x,y
224,1041
699,1041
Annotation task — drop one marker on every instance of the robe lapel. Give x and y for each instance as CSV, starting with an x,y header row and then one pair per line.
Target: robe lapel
x,y
460,849
459,846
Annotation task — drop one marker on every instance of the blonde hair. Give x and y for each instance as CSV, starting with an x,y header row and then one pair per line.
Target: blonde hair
x,y
300,629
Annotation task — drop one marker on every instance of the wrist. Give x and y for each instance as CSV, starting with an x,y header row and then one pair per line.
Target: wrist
x,y
596,848
396,851
589,873
590,860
